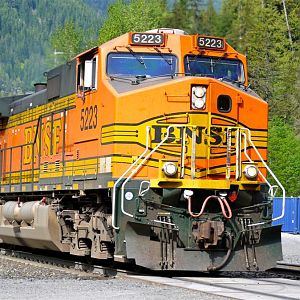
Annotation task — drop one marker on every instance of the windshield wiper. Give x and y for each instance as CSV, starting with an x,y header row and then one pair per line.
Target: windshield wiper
x,y
121,78
139,59
165,59
231,80
136,81
139,78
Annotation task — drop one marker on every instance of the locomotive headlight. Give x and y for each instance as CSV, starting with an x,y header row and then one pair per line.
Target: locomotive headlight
x,y
198,97
199,91
170,169
251,171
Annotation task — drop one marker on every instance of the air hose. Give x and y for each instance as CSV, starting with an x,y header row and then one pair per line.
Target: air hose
x,y
213,268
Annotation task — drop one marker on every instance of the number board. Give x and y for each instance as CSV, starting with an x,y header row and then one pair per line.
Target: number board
x,y
210,42
152,39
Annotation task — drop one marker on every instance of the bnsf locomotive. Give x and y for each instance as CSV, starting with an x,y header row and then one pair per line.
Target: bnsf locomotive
x,y
150,149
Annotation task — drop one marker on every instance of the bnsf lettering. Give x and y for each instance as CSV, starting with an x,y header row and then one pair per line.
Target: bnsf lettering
x,y
175,134
217,135
45,142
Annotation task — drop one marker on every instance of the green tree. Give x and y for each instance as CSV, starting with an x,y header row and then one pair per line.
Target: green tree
x,y
137,15
25,27
272,63
258,28
69,40
227,15
284,155
193,16
209,20
179,16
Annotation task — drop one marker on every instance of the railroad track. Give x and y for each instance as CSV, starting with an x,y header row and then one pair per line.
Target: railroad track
x,y
286,270
288,267
235,288
267,285
67,264
80,264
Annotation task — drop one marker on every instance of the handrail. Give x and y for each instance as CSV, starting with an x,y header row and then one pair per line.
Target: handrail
x,y
182,157
193,154
38,131
248,138
274,177
238,155
21,146
26,144
228,154
123,175
138,168
271,187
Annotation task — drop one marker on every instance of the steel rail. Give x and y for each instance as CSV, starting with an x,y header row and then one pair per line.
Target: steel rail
x,y
69,265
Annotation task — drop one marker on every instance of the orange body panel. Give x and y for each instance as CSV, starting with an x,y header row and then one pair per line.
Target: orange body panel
x,y
109,123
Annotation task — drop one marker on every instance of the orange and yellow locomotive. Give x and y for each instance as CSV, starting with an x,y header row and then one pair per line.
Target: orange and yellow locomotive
x,y
150,149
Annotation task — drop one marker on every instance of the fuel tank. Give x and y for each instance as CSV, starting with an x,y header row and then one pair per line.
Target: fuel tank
x,y
31,224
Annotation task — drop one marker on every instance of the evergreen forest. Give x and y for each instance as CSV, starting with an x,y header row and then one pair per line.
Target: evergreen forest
x,y
36,35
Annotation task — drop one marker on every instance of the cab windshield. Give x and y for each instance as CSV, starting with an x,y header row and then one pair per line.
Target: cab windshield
x,y
220,68
141,64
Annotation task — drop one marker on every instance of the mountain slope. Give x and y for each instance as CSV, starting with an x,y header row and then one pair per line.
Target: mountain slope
x,y
25,27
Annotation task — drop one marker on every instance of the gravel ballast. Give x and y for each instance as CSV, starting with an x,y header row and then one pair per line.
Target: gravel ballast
x,y
24,281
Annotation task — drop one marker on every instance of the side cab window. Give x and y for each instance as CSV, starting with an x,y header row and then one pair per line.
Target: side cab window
x,y
87,70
